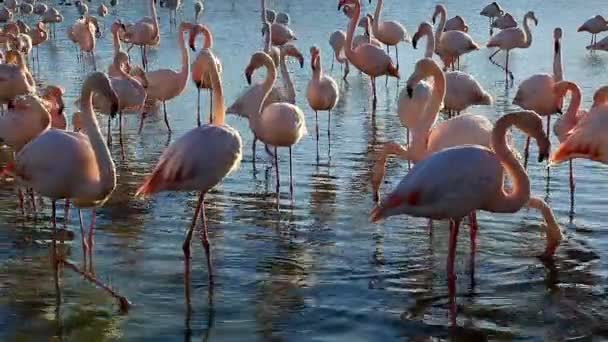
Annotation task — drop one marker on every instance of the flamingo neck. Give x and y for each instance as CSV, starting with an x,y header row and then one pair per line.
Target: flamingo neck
x,y
527,31
442,20
575,102
348,46
116,42
219,106
287,82
264,11
185,70
377,16
105,164
207,38
154,18
558,72
271,78
438,95
554,234
509,202
430,43
268,40
317,70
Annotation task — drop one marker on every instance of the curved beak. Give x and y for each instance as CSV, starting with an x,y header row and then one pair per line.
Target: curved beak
x,y
415,40
301,59
248,73
542,156
410,91
114,110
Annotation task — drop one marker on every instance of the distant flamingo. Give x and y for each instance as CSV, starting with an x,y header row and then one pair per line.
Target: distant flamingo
x,y
145,33
368,36
280,124
454,182
15,78
218,150
52,16
82,32
601,45
389,32
492,11
513,38
40,8
505,21
117,29
6,15
450,45
198,9
24,121
282,18
39,35
337,40
102,10
200,73
371,60
52,98
322,91
537,91
462,90
456,23
167,84
594,25
84,172
281,33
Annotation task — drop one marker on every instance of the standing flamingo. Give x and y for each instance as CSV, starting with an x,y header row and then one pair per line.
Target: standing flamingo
x,y
218,153
281,33
594,25
389,32
200,74
322,91
145,33
475,181
167,84
337,40
371,60
84,172
82,32
280,124
536,92
39,35
198,10
492,11
450,45
15,78
456,23
513,38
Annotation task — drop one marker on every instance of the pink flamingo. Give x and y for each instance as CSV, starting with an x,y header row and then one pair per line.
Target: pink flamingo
x,y
15,78
83,33
594,25
336,41
456,23
218,152
200,74
492,11
84,172
370,59
389,32
145,33
475,181
505,21
450,45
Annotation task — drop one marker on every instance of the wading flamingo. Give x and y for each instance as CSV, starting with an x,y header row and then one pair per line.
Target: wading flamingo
x,y
456,23
322,91
336,41
82,32
475,181
167,84
450,45
594,25
84,172
513,38
15,78
145,33
200,73
601,45
370,59
52,99
281,34
6,15
280,124
39,35
492,11
536,92
219,151
389,32
52,16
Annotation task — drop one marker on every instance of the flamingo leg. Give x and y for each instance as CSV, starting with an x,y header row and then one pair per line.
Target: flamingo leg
x,y
407,137
374,90
493,54
21,201
55,258
548,125
332,64
526,153
204,236
33,200
85,246
166,118
198,107
397,55
109,138
186,248
473,238
210,106
90,241
290,174
454,226
141,121
255,139
317,124
276,165
329,134
572,185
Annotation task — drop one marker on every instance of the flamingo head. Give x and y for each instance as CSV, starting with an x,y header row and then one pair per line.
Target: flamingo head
x,y
395,203
292,51
54,94
265,28
423,69
356,3
257,60
194,31
557,36
314,54
423,29
532,16
600,97
560,89
100,83
438,10
532,125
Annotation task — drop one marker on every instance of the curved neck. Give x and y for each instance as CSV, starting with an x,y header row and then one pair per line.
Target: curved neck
x,y
377,16
528,32
317,71
575,102
509,202
218,103
207,38
554,234
154,17
185,70
348,46
287,83
105,164
430,44
441,26
116,42
263,11
271,77
558,71
438,95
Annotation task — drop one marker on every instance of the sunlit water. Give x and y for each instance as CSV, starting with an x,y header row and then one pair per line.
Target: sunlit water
x,y
318,270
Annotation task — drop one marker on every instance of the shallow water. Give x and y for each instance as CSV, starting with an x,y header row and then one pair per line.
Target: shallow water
x,y
318,270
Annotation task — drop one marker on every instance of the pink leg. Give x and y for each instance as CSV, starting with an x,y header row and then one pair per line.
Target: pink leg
x,y
204,236
526,153
454,226
85,249
90,242
473,224
572,185
186,249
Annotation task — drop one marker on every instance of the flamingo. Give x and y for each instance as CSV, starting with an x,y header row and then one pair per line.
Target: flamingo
x,y
200,74
117,28
82,32
322,91
172,5
38,35
492,11
505,21
463,90
370,59
428,137
282,18
26,8
456,23
84,172
536,92
475,181
368,36
389,32
219,150
40,8
15,79
450,45
83,9
145,33
271,50
102,10
281,33
198,9
564,125
280,124
52,16
587,139
594,25
513,38
24,121
52,99
336,41
167,84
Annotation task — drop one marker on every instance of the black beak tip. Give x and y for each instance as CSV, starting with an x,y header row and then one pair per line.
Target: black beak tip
x,y
113,111
410,91
248,77
192,48
301,64
543,156
559,111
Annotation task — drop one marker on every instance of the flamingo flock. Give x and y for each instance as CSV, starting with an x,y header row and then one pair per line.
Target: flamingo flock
x,y
461,162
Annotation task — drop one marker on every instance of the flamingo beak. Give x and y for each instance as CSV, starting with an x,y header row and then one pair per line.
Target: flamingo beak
x,y
542,156
248,75
301,59
415,40
410,91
